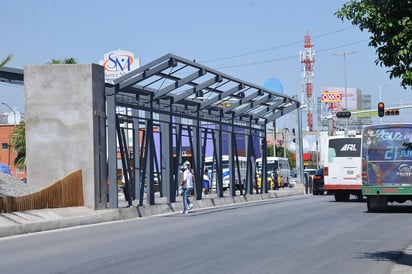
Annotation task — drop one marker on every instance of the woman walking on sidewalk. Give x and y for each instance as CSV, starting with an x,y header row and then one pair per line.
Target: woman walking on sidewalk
x,y
187,185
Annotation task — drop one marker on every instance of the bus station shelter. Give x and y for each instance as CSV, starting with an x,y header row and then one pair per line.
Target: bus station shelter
x,y
152,111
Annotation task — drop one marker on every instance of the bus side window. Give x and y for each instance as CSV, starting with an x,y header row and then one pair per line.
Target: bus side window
x,y
331,154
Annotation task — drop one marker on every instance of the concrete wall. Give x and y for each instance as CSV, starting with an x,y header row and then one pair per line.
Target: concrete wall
x,y
65,126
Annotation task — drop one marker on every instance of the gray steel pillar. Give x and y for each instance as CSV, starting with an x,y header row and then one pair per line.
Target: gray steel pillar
x,y
136,153
112,147
264,180
169,188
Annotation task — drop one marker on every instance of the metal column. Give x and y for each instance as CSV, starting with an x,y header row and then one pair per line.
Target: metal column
x,y
111,146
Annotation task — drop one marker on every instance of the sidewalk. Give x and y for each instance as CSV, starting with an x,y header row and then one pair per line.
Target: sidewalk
x,y
55,218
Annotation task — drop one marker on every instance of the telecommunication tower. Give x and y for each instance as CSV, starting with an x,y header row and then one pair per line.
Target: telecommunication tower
x,y
307,58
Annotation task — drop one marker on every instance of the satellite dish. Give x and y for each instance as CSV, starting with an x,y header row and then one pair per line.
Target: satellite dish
x,y
273,84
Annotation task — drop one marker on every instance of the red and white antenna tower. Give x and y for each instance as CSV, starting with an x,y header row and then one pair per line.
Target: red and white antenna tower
x,y
307,58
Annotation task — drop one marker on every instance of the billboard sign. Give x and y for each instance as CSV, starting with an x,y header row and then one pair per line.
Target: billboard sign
x,y
331,97
118,63
335,99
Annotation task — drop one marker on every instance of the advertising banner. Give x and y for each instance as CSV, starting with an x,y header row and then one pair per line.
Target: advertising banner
x,y
335,98
118,63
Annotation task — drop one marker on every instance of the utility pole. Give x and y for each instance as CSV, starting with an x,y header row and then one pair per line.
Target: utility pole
x,y
274,138
285,130
345,83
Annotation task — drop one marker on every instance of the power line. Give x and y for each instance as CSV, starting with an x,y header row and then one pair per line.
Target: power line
x,y
345,45
290,57
273,48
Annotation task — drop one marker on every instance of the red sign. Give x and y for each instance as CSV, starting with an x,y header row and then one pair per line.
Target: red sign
x,y
331,97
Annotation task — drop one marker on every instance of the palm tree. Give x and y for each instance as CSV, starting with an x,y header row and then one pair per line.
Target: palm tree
x,y
6,60
18,142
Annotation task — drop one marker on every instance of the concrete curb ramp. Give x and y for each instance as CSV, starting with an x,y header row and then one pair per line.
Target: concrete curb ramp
x,y
54,218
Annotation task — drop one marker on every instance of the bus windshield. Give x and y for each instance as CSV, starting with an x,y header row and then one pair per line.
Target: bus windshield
x,y
270,166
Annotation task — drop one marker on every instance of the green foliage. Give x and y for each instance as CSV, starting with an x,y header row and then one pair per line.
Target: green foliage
x,y
18,141
70,60
269,150
279,153
390,25
6,60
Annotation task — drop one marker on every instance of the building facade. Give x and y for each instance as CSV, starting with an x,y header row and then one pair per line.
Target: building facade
x,y
7,153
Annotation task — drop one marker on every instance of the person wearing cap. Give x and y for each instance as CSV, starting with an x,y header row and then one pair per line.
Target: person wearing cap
x,y
187,185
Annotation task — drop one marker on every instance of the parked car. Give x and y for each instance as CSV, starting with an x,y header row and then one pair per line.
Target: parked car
x,y
318,182
294,178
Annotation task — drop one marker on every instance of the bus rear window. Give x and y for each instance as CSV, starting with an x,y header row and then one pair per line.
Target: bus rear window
x,y
345,147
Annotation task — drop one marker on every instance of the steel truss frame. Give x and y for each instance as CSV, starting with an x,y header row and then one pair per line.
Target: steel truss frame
x,y
171,98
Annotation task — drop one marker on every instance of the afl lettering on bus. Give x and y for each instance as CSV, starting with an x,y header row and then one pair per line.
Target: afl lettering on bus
x,y
349,147
331,97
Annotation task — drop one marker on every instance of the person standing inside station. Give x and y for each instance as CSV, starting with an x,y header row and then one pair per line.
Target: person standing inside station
x,y
275,179
187,185
206,182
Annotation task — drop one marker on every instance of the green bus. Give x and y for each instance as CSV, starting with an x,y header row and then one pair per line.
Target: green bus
x,y
386,165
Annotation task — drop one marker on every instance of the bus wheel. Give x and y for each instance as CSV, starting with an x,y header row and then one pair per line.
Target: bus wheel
x,y
339,197
342,197
345,197
375,204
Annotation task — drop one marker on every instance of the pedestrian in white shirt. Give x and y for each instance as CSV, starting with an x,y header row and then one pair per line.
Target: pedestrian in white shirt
x,y
187,185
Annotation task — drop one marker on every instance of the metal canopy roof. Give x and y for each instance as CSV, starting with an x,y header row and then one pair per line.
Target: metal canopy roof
x,y
11,75
177,86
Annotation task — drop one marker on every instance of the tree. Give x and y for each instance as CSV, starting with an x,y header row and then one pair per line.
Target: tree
x,y
390,25
280,152
70,60
6,60
18,141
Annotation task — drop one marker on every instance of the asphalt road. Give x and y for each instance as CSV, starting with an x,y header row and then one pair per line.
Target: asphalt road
x,y
294,235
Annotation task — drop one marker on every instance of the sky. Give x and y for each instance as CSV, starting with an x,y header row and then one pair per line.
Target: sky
x,y
252,40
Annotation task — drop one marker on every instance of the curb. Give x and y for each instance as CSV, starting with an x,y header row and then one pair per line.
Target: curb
x,y
56,218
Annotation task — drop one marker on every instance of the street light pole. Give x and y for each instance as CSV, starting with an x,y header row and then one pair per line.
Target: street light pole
x,y
345,83
274,138
14,129
299,138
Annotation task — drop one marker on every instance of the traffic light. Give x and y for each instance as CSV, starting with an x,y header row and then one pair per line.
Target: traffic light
x,y
343,114
391,112
381,109
294,134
